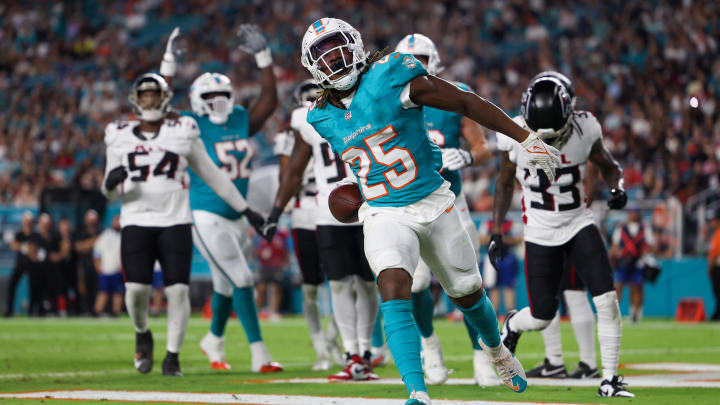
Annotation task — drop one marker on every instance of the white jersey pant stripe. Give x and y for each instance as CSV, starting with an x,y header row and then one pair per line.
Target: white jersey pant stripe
x,y
220,241
394,240
422,277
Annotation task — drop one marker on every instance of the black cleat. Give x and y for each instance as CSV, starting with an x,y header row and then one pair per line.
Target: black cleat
x,y
509,337
584,371
144,352
614,388
171,365
547,370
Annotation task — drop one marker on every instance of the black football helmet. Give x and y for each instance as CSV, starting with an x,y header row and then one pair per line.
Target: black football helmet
x,y
563,79
307,91
547,107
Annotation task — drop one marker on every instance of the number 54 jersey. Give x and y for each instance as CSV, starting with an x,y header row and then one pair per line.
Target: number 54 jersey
x,y
155,193
554,212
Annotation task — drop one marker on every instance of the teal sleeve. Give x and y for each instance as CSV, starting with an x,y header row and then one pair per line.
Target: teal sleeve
x,y
402,68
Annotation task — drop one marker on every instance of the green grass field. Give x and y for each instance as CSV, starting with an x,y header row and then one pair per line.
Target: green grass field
x,y
69,354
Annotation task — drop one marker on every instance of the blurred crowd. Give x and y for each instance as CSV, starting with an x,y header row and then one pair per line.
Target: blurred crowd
x,y
649,70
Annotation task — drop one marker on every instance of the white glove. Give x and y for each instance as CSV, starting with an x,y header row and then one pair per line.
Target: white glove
x,y
539,154
251,40
455,158
351,179
168,66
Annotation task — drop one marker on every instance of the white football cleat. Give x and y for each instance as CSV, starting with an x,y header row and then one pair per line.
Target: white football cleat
x,y
614,388
483,370
509,369
214,349
432,358
419,398
261,361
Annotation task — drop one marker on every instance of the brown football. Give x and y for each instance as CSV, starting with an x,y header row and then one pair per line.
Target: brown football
x,y
344,202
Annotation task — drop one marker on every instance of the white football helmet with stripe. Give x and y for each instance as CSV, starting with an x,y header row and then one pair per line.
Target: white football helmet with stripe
x,y
212,94
419,44
320,43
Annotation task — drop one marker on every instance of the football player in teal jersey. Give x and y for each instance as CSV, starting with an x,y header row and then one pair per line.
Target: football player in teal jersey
x,y
370,114
219,232
445,129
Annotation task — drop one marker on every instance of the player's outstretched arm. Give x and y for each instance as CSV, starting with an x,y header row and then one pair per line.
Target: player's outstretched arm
x,y
290,182
504,187
252,41
611,172
434,92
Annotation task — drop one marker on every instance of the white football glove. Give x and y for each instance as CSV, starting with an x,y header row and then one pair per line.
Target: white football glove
x,y
251,40
168,66
351,179
455,158
539,154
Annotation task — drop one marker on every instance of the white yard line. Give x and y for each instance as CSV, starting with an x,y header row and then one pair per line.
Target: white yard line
x,y
247,399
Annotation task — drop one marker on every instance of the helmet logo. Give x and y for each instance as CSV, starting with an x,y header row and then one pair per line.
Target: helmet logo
x,y
319,27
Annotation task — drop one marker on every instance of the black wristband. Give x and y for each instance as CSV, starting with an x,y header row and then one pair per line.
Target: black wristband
x,y
275,214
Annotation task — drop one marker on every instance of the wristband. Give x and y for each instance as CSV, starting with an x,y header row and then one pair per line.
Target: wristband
x,y
263,58
168,66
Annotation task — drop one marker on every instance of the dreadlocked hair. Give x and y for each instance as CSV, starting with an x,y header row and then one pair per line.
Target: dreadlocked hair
x,y
328,95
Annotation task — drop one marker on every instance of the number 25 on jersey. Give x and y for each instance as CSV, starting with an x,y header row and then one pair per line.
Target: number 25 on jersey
x,y
388,158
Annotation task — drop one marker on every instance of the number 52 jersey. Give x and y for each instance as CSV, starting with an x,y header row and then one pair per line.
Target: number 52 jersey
x,y
554,212
155,193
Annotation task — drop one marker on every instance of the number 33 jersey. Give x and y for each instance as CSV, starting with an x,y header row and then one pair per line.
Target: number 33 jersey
x,y
155,192
554,212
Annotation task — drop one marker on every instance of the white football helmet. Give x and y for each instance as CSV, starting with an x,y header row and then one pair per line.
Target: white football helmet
x,y
321,39
419,44
212,94
147,82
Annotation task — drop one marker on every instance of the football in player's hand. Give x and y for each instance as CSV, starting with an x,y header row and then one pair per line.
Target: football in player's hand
x,y
344,202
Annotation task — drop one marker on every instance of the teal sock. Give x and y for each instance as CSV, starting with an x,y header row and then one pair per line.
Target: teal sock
x,y
404,343
244,304
221,309
423,306
482,316
377,337
472,332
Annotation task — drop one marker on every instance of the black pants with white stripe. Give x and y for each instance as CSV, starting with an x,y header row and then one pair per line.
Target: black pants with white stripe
x,y
545,267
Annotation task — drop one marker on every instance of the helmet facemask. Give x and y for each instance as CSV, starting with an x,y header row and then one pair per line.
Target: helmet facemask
x,y
212,94
335,59
219,106
154,111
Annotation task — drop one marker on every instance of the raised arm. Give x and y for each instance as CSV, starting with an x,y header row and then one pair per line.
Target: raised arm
x,y
434,92
252,41
611,172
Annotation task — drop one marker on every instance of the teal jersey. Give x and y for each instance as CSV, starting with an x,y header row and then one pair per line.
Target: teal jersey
x,y
229,147
386,144
445,131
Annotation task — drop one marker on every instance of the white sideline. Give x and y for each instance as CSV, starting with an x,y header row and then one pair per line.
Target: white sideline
x,y
247,399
